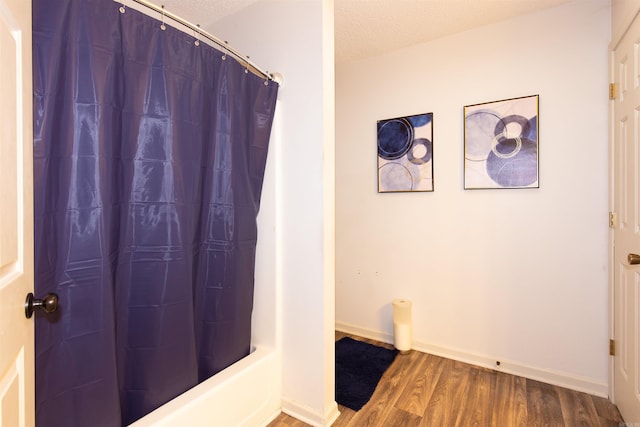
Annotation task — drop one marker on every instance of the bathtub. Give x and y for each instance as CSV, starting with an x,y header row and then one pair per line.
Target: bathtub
x,y
246,394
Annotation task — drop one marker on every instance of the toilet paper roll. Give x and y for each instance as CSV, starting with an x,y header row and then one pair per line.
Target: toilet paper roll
x,y
401,311
402,325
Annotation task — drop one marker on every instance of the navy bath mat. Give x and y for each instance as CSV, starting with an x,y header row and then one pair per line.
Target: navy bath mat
x,y
359,367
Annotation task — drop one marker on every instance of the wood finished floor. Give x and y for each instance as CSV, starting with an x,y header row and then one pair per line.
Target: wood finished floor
x,y
423,390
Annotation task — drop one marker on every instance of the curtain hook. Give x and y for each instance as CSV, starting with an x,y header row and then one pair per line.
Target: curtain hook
x,y
246,67
122,9
197,35
266,78
162,26
224,54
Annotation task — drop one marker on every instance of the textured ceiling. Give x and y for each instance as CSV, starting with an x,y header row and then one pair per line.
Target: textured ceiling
x,y
365,28
203,12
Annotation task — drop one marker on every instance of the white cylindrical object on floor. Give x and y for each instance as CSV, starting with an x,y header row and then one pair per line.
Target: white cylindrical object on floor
x,y
402,336
402,325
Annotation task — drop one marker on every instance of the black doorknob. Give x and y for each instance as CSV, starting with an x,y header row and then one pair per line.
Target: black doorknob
x,y
49,304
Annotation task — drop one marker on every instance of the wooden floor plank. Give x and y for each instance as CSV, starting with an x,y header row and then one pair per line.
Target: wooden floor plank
x,y
476,408
543,404
509,401
417,393
444,406
577,408
284,420
424,390
606,422
398,417
605,409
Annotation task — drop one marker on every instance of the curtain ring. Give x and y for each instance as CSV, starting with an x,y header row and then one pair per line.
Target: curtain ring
x,y
162,26
266,78
122,9
197,36
224,54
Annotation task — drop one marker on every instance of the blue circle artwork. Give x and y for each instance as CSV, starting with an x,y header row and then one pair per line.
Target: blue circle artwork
x,y
405,153
394,138
501,148
427,149
517,170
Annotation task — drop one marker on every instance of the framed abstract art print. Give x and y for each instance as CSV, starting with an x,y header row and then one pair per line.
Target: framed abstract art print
x,y
405,154
501,144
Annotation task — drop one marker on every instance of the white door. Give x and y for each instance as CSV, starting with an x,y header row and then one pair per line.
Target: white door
x,y
626,237
16,216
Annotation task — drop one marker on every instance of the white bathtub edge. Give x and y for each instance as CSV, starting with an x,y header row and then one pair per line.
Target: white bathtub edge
x,y
245,394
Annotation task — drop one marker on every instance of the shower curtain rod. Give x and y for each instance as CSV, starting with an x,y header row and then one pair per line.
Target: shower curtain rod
x,y
223,45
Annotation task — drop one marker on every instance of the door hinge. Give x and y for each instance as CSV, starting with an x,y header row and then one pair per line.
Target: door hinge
x,y
612,220
612,347
612,91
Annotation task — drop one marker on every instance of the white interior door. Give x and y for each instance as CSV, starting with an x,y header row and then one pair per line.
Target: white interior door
x,y
16,215
626,240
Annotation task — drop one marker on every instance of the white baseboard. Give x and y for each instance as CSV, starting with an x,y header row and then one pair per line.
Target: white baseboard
x,y
308,415
364,332
561,379
332,414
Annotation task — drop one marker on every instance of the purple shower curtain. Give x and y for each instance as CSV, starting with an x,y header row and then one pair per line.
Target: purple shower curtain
x,y
149,155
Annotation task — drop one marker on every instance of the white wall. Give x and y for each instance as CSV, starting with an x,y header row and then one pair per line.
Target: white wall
x,y
295,38
518,276
622,13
